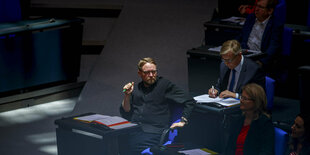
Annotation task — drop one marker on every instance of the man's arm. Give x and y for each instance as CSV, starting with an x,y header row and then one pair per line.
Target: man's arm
x,y
127,89
178,95
273,47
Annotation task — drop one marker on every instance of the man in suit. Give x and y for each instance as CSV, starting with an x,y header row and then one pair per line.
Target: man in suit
x,y
235,72
262,32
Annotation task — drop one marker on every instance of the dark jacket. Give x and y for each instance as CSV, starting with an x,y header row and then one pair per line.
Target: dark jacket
x,y
259,140
150,106
271,41
250,73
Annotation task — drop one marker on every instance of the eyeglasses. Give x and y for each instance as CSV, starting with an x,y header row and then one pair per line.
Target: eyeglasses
x,y
229,60
149,72
245,98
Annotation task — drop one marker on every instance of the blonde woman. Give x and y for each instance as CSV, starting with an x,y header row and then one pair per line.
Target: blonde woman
x,y
254,132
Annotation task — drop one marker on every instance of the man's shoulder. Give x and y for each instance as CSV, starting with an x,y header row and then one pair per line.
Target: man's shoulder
x,y
250,63
163,80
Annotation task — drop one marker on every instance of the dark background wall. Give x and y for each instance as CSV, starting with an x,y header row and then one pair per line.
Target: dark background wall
x,y
164,30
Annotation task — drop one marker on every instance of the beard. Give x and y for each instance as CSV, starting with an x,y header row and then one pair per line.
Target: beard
x,y
150,81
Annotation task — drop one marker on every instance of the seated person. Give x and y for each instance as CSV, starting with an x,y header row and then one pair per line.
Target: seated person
x,y
253,133
148,105
235,72
300,137
262,32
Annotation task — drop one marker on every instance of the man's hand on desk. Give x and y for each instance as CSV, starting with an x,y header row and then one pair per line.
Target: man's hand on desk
x,y
227,93
177,125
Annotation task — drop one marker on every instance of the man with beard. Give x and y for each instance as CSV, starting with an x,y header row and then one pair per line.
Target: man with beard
x,y
149,105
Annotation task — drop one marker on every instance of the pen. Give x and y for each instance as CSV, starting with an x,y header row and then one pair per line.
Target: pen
x,y
127,89
212,90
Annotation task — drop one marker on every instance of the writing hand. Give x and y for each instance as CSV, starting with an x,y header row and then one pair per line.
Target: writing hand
x,y
212,92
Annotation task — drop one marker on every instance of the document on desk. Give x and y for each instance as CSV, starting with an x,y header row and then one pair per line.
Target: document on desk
x,y
90,118
113,122
206,99
215,49
227,102
196,152
233,19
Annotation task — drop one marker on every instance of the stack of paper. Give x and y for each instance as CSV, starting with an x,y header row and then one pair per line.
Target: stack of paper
x,y
206,99
233,19
113,122
203,151
222,101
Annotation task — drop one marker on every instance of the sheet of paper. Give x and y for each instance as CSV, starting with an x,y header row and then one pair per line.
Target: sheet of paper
x,y
111,120
206,99
123,126
215,49
194,152
90,118
229,101
233,19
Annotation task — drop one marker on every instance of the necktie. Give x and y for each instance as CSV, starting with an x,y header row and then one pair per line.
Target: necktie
x,y
232,81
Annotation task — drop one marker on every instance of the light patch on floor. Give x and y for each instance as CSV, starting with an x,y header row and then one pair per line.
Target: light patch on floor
x,y
42,138
37,112
50,149
47,142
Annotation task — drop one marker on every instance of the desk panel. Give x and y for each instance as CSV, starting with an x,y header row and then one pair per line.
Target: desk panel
x,y
39,52
80,138
209,126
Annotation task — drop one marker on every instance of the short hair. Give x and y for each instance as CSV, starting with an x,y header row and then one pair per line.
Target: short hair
x,y
231,46
257,93
143,61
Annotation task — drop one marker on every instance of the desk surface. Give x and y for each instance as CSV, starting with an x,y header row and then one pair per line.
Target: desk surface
x,y
222,24
297,29
203,51
207,107
37,24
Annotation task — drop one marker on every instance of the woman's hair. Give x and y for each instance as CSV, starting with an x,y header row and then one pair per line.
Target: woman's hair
x,y
231,45
258,95
143,61
306,119
306,140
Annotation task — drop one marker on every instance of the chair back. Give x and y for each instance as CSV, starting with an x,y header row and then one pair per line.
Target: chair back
x,y
270,84
281,141
287,41
280,11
